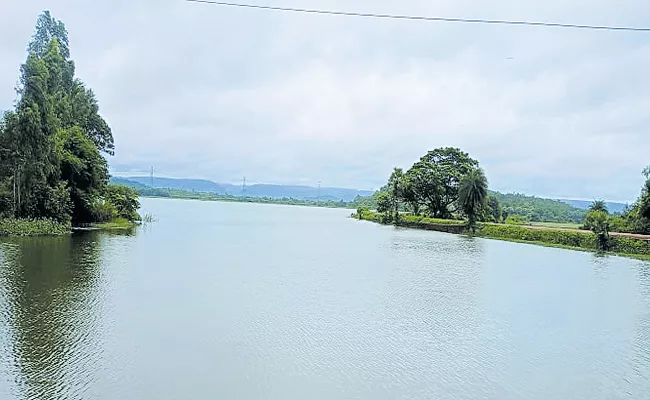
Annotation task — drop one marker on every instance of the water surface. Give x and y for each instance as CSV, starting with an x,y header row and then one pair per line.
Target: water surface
x,y
246,301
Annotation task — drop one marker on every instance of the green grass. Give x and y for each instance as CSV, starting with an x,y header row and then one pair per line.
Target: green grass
x,y
434,221
568,225
33,227
116,224
642,257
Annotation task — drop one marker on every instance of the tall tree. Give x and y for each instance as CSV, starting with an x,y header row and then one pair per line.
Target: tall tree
x,y
473,193
493,210
396,188
51,144
436,177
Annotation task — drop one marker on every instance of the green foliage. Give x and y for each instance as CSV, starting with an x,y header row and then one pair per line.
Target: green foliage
x,y
368,202
598,222
48,28
125,201
628,245
395,191
27,227
620,224
414,221
493,212
103,211
51,144
636,219
432,221
472,195
537,209
553,237
83,167
516,220
549,236
384,202
117,224
361,211
433,182
599,205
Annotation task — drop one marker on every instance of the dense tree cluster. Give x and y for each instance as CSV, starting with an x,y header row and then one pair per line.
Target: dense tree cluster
x,y
635,219
52,145
444,183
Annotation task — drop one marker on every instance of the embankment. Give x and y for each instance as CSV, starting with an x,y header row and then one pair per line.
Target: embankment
x,y
637,245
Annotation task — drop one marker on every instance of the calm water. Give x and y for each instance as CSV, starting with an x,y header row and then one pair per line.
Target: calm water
x,y
244,301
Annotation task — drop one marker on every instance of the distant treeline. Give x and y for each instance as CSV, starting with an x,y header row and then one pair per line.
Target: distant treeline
x,y
536,209
146,191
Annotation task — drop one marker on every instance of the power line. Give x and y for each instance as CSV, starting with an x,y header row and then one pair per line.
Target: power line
x,y
421,18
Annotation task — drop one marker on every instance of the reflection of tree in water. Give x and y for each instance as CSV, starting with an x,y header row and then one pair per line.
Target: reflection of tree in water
x,y
51,285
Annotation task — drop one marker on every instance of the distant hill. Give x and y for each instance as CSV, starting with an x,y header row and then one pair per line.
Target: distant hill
x,y
199,185
584,205
116,180
257,190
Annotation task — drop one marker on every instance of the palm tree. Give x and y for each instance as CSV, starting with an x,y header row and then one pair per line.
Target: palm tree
x,y
472,195
599,205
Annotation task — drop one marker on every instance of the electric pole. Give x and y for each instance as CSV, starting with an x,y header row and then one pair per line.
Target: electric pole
x,y
151,177
318,201
243,188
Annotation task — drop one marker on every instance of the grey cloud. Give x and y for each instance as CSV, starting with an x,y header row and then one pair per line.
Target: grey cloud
x,y
209,92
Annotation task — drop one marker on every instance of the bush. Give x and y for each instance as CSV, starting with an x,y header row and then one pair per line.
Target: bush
x,y
620,224
628,245
516,220
125,201
103,211
563,238
33,227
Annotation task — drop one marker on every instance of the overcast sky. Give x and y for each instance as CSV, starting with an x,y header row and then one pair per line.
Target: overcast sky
x,y
210,92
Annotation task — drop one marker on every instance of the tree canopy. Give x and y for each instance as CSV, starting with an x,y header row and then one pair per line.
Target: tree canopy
x,y
432,186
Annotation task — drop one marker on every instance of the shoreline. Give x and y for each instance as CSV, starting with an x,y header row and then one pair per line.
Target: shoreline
x,y
44,227
251,200
623,245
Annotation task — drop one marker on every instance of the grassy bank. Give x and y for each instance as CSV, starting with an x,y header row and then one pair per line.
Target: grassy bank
x,y
33,227
118,224
586,241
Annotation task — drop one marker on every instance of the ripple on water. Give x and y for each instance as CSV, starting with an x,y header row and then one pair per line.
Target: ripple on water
x,y
322,307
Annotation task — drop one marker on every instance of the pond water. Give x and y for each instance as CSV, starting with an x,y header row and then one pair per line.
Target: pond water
x,y
248,301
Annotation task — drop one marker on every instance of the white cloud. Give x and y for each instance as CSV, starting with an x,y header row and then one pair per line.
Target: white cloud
x,y
206,91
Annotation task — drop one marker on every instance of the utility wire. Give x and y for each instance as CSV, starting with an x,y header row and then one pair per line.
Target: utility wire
x,y
419,18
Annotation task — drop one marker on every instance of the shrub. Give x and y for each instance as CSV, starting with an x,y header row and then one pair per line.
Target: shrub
x,y
620,224
33,227
564,238
103,211
516,220
628,245
125,201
